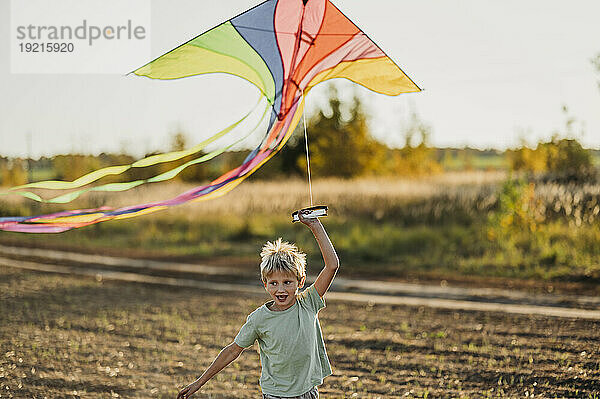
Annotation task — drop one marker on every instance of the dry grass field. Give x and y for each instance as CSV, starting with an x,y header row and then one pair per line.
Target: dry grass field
x,y
70,337
284,195
453,225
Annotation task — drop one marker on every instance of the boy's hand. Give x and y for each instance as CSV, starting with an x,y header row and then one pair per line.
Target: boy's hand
x,y
310,222
226,356
188,391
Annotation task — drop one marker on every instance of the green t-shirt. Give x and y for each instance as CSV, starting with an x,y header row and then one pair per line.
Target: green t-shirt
x,y
292,351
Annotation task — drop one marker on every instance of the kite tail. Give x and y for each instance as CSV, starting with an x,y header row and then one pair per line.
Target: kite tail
x,y
145,162
67,220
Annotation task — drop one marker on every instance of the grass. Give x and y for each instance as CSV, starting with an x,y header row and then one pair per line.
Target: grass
x,y
70,337
460,224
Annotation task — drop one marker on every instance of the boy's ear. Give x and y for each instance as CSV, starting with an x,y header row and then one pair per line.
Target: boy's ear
x,y
301,282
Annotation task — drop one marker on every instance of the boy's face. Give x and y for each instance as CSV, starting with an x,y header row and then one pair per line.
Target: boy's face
x,y
283,288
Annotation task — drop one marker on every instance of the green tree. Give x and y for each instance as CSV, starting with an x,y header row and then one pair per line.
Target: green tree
x,y
568,160
524,158
561,158
416,157
342,147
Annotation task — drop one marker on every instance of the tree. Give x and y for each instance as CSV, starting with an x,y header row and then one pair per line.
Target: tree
x,y
532,160
72,166
193,173
14,172
416,157
291,154
568,160
561,158
342,147
178,141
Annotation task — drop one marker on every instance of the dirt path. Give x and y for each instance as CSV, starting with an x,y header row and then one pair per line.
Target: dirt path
x,y
375,292
341,284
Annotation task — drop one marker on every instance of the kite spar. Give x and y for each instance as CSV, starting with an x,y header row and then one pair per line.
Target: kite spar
x,y
284,48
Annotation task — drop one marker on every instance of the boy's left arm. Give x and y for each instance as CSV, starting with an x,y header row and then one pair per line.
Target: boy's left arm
x,y
330,257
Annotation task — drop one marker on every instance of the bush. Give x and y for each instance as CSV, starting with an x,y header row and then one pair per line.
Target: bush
x,y
559,160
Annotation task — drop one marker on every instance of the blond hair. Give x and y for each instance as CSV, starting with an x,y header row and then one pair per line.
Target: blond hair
x,y
284,257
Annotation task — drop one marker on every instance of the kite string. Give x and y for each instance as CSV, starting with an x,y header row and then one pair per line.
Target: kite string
x,y
306,146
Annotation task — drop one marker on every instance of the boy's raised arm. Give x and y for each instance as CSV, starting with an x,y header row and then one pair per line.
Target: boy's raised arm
x,y
330,257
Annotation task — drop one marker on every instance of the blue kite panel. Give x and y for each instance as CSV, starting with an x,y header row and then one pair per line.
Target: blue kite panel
x,y
257,27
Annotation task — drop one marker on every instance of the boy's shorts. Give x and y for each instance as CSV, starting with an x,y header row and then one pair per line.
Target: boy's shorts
x,y
312,394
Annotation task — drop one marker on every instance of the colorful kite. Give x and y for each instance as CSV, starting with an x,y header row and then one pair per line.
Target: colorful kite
x,y
284,48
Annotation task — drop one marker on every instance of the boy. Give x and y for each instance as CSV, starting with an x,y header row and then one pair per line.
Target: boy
x,y
292,351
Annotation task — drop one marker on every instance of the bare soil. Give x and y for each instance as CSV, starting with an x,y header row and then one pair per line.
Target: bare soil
x,y
72,337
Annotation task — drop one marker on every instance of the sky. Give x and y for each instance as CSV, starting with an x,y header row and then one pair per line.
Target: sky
x,y
495,74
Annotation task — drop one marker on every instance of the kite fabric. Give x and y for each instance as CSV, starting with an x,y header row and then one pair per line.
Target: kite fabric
x,y
284,48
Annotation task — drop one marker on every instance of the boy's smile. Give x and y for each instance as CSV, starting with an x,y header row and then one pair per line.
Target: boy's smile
x,y
282,287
